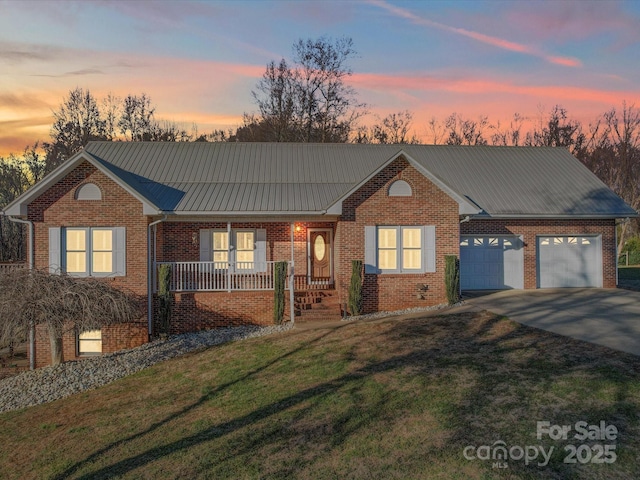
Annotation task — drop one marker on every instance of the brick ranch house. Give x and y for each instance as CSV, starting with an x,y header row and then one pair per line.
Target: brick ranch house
x,y
221,214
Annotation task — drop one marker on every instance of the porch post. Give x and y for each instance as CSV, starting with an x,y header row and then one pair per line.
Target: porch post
x,y
228,259
291,273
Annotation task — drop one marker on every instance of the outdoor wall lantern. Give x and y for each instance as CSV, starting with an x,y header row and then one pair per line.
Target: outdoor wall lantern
x,y
194,239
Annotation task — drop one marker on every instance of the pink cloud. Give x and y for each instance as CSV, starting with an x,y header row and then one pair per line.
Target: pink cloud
x,y
480,37
480,86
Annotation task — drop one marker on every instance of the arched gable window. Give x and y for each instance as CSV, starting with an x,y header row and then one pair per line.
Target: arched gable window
x,y
88,191
400,188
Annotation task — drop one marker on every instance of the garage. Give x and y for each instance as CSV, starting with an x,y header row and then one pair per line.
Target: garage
x,y
491,262
569,261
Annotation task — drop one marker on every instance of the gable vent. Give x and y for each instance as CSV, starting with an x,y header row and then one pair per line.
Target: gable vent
x,y
400,188
88,191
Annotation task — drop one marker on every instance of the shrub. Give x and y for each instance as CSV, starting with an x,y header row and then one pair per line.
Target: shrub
x,y
355,288
164,299
452,278
279,279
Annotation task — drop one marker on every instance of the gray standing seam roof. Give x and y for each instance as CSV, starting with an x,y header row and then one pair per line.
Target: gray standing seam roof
x,y
289,177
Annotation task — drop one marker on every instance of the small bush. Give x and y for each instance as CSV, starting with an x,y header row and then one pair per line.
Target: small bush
x,y
452,278
164,298
355,288
279,279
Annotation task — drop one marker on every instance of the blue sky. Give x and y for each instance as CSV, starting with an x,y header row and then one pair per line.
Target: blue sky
x,y
199,61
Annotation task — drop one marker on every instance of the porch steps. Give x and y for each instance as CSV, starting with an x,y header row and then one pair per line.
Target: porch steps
x,y
317,305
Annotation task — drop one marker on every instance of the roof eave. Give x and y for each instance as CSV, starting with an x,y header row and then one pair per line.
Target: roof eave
x,y
19,206
584,216
465,207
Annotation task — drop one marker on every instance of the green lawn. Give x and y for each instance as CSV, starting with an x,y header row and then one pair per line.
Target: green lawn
x,y
391,398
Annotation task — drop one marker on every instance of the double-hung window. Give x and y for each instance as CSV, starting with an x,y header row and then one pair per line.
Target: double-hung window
x,y
399,249
88,251
245,250
221,249
242,250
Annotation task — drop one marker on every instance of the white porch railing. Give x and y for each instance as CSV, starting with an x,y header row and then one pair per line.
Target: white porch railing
x,y
226,277
219,276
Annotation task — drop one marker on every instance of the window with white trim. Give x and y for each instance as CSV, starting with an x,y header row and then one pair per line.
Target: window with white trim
x,y
221,249
245,250
242,249
399,249
87,251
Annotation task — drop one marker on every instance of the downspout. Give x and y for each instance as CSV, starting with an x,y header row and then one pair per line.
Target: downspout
x,y
30,255
464,220
150,275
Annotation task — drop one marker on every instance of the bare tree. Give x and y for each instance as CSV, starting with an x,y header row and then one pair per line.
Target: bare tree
x,y
61,303
76,122
137,117
394,129
557,130
463,131
309,101
509,136
613,154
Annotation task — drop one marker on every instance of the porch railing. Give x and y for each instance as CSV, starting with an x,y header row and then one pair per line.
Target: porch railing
x,y
224,276
10,267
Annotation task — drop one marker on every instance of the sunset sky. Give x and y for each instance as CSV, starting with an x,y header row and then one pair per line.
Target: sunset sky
x,y
199,60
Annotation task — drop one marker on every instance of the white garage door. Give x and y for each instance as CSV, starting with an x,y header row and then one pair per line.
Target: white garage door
x,y
491,262
569,261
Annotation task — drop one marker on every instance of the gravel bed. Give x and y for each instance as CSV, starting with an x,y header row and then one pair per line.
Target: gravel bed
x,y
51,383
394,313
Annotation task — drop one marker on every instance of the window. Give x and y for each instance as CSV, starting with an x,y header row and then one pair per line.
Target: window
x,y
241,250
245,247
87,251
400,188
88,191
221,249
90,343
399,249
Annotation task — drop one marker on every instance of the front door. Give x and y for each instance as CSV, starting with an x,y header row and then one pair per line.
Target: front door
x,y
320,250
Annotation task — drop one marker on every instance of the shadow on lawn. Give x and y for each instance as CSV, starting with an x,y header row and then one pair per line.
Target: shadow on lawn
x,y
516,376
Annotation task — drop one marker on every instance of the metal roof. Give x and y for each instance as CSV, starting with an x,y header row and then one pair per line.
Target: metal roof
x,y
202,178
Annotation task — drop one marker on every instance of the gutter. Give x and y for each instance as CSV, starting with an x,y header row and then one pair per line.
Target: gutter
x,y
150,275
30,255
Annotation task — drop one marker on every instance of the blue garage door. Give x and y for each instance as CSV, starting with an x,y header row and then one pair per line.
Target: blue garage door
x,y
491,262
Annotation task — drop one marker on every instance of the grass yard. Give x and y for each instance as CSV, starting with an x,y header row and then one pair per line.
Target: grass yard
x,y
390,398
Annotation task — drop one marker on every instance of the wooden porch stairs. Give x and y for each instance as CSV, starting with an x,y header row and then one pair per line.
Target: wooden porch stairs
x,y
317,305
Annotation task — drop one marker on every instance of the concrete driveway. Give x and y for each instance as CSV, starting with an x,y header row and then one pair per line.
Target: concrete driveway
x,y
609,317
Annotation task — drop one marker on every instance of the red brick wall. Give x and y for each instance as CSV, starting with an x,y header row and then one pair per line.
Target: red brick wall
x,y
193,311
57,207
529,229
114,338
371,205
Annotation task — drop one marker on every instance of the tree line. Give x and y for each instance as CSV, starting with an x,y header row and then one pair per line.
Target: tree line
x,y
308,99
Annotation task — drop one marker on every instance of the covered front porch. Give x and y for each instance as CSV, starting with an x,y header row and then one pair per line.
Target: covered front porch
x,y
221,267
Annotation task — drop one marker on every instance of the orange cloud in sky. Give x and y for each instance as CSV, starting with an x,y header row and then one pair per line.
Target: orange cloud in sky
x,y
480,37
